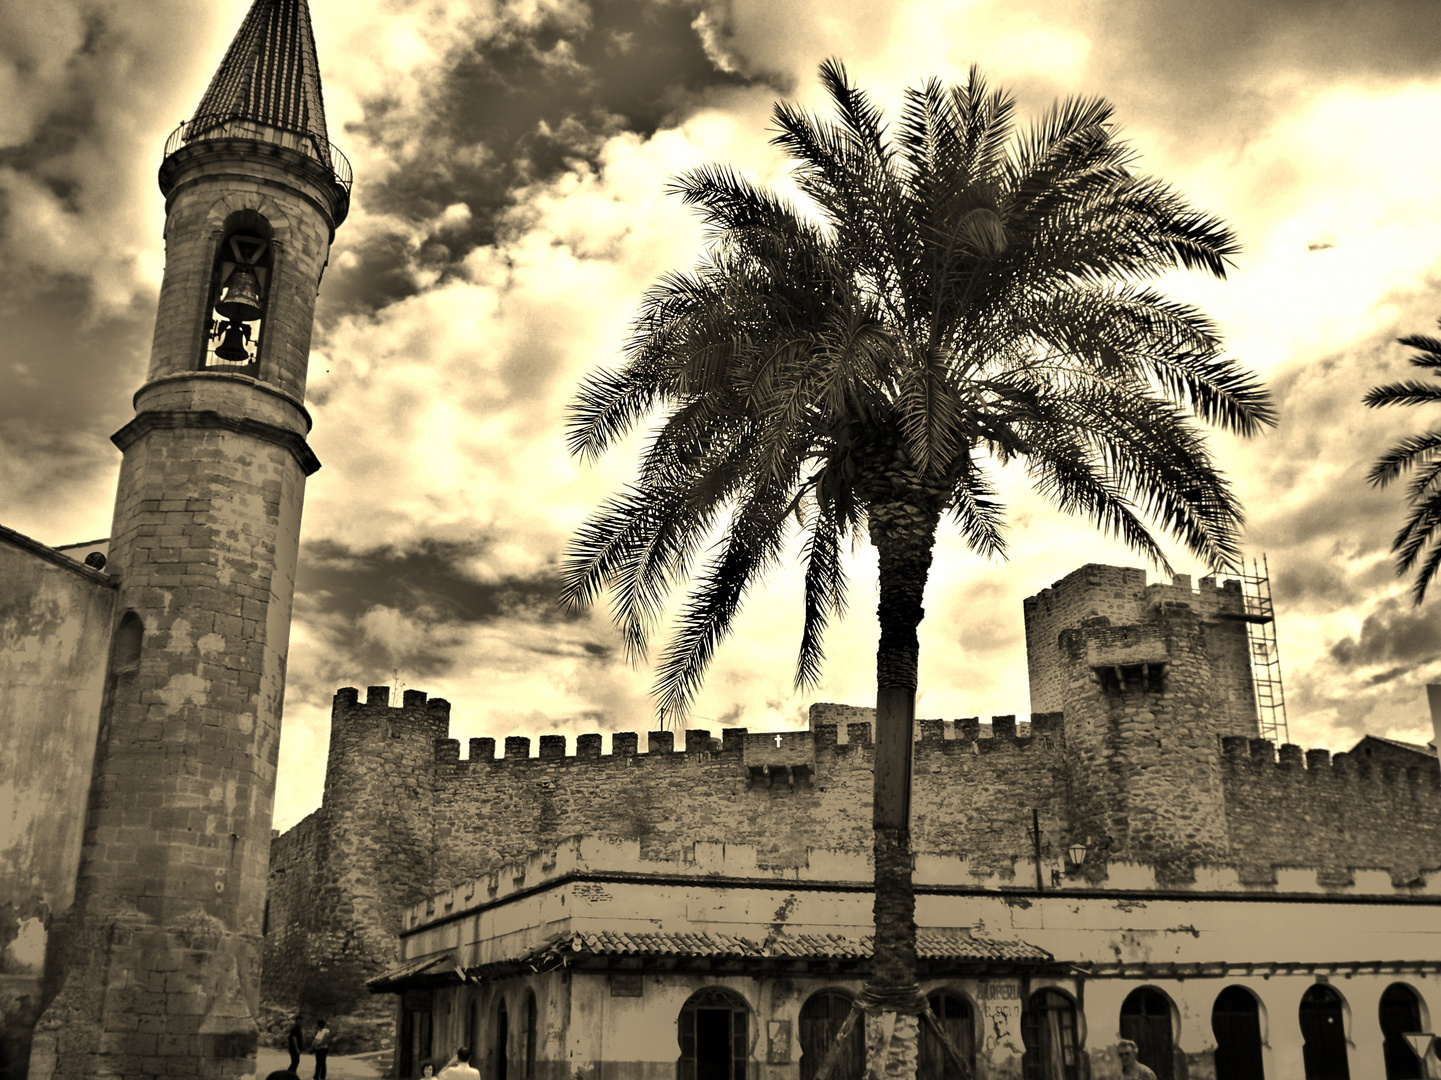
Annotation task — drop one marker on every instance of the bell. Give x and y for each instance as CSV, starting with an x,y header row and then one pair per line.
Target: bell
x,y
241,299
232,349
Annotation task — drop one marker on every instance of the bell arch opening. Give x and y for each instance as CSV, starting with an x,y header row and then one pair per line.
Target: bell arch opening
x,y
238,301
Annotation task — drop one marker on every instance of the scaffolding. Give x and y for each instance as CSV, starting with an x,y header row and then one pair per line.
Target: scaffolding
x,y
1260,619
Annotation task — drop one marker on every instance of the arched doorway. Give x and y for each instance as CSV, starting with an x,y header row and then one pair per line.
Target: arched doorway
x,y
1146,1021
1048,1028
713,1031
821,1019
957,1020
1323,1031
1400,1013
502,1040
1236,1023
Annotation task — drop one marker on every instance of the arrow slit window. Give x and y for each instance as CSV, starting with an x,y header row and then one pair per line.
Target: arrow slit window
x,y
239,294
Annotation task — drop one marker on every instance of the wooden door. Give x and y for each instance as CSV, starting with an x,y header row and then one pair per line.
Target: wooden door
x,y
821,1020
1146,1021
1236,1023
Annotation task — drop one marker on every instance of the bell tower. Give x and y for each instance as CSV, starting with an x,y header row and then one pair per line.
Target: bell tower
x,y
158,967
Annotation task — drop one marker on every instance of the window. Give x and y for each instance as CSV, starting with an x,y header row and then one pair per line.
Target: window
x,y
1048,1028
957,1020
822,1017
713,1032
125,650
1146,1021
1236,1023
1323,1030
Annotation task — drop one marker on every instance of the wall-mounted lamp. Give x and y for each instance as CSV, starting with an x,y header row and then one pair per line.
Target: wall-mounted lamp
x,y
1077,854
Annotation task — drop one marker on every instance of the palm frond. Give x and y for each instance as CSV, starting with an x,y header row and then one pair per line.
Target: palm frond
x,y
751,547
825,593
1406,392
1410,451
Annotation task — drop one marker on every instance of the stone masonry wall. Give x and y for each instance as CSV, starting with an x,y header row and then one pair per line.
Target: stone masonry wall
x,y
1112,592
1336,814
404,815
1121,597
339,879
1142,739
973,795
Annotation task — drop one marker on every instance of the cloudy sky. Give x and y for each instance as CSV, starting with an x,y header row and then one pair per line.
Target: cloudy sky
x,y
509,210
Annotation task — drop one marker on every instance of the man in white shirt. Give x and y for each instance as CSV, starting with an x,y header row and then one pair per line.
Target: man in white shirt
x,y
462,1069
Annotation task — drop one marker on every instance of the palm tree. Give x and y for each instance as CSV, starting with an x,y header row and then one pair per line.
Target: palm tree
x,y
954,296
1422,453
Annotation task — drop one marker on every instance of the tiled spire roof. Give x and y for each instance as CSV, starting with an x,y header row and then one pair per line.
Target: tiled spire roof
x,y
270,74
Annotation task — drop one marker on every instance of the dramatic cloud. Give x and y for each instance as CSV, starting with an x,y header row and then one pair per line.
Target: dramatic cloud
x,y
509,211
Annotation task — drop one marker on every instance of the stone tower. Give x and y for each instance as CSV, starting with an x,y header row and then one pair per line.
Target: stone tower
x,y
158,968
1150,679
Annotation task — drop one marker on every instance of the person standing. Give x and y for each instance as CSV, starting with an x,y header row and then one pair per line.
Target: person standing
x,y
1132,1069
320,1047
295,1043
462,1069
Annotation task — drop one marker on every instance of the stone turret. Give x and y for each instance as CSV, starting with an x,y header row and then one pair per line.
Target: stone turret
x,y
160,966
1150,678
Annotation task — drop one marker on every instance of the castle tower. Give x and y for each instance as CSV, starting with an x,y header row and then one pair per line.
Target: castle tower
x,y
159,965
1150,678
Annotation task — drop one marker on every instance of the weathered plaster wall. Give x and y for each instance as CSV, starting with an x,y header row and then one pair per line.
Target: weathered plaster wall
x,y
55,622
1186,948
54,635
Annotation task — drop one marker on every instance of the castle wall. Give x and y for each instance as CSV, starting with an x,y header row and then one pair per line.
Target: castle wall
x,y
339,880
1338,815
1142,741
969,790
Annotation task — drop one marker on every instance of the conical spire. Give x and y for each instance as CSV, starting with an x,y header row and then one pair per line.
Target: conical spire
x,y
269,75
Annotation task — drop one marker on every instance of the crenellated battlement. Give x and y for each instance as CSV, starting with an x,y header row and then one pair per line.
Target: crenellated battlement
x,y
346,706
966,735
1258,760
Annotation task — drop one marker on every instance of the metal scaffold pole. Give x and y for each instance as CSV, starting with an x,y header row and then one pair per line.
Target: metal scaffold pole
x,y
1265,656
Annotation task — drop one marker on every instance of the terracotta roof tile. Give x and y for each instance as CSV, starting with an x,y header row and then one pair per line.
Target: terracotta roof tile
x,y
270,74
930,945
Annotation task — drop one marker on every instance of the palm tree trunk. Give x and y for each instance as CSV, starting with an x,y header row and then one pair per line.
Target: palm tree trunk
x,y
903,535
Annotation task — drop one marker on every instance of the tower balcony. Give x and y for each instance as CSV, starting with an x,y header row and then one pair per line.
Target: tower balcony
x,y
212,128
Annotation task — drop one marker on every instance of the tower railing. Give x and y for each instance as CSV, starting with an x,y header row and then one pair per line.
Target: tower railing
x,y
206,126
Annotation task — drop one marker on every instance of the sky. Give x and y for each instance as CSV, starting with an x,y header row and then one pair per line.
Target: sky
x,y
509,211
